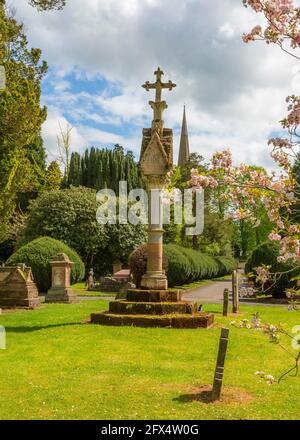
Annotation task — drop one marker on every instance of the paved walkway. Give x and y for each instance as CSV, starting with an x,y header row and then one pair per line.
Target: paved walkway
x,y
211,293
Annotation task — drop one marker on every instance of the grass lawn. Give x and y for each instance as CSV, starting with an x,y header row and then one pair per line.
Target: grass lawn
x,y
56,367
81,290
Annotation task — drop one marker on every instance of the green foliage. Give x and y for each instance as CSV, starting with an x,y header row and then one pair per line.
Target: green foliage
x,y
122,240
226,265
53,177
246,238
266,254
37,255
183,265
99,169
217,235
21,116
70,216
180,268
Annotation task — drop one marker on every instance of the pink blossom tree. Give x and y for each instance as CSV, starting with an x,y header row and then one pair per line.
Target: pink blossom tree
x,y
245,187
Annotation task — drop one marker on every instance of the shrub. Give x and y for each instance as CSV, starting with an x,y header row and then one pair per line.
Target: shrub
x,y
183,265
226,265
267,253
37,255
180,269
70,216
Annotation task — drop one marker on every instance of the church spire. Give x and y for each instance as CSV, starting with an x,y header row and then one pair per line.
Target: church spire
x,y
184,149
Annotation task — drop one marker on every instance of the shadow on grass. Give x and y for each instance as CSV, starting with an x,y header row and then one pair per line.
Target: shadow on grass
x,y
204,396
30,329
230,395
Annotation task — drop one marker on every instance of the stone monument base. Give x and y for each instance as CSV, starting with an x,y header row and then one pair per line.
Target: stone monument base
x,y
17,288
154,281
153,308
24,303
61,295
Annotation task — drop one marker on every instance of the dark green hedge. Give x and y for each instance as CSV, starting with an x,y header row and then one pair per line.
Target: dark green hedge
x,y
183,265
267,253
37,255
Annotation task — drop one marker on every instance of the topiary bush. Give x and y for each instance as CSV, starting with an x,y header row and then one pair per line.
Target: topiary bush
x,y
183,265
180,269
226,265
37,255
267,253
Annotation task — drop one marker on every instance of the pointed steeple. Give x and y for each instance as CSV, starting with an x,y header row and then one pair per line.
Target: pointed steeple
x,y
184,149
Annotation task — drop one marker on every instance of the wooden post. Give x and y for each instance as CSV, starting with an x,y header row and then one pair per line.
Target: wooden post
x,y
225,302
218,379
235,291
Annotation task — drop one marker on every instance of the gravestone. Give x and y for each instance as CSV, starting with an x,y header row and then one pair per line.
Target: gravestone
x,y
91,280
154,305
17,288
117,266
61,291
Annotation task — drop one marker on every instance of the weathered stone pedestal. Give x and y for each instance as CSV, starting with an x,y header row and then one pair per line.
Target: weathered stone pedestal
x,y
153,308
17,288
61,291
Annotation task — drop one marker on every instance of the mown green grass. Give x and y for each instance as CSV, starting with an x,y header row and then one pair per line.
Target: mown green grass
x,y
56,367
81,290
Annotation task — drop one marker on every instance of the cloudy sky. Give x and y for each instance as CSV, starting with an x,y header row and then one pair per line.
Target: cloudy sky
x,y
101,51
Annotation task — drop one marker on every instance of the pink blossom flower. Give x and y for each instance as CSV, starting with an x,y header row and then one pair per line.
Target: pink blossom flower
x,y
274,237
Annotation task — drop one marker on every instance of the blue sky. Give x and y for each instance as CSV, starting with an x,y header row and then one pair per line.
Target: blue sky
x,y
100,52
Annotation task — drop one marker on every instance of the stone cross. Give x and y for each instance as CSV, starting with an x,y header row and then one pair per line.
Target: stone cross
x,y
158,106
158,85
155,162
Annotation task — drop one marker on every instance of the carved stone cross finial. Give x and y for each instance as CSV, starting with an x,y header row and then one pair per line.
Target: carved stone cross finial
x,y
158,85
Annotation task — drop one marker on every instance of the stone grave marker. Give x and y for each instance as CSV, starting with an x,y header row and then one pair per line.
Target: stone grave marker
x,y
61,291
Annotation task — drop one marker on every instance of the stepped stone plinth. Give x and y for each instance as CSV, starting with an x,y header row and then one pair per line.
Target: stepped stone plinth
x,y
150,308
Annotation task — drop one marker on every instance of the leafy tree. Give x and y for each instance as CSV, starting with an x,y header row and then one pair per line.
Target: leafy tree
x,y
21,116
99,169
53,177
69,215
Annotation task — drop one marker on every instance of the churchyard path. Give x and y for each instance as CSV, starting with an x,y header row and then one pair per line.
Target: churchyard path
x,y
213,294
210,293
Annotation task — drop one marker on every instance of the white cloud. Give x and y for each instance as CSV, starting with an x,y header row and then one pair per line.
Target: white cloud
x,y
234,92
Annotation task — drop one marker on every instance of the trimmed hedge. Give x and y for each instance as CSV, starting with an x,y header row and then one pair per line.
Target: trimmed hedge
x,y
183,265
37,255
267,253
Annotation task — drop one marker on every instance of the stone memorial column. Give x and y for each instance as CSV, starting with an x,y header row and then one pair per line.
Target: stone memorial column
x,y
61,291
155,162
153,305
